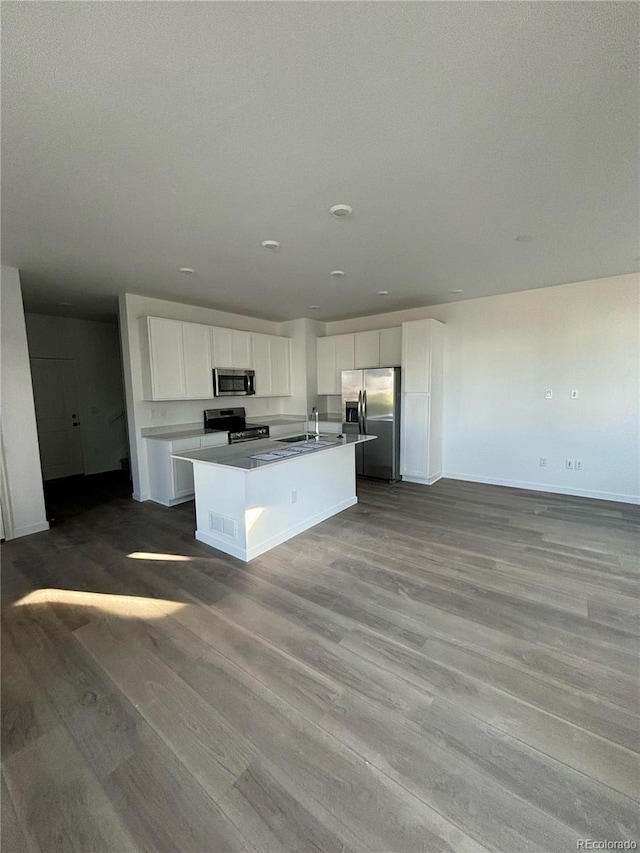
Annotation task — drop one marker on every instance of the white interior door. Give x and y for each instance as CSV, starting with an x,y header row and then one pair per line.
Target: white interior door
x,y
55,395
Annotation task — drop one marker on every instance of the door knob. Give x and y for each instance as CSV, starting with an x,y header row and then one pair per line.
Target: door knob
x,y
76,423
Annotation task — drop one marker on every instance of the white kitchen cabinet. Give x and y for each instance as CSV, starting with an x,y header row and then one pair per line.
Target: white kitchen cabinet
x,y
334,354
422,400
166,359
231,348
366,349
196,345
391,347
171,480
179,360
272,364
261,363
280,361
345,358
326,361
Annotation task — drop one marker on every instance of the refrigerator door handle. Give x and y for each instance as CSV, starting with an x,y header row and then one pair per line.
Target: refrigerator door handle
x,y
360,417
364,412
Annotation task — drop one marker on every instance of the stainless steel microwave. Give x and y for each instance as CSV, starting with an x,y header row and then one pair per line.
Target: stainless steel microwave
x,y
228,382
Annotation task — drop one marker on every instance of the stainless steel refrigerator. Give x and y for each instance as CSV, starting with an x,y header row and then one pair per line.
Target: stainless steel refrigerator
x,y
371,405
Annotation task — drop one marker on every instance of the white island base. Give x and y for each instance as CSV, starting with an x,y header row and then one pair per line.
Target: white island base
x,y
245,511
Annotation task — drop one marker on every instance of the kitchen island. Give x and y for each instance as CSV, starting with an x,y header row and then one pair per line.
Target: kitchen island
x,y
253,496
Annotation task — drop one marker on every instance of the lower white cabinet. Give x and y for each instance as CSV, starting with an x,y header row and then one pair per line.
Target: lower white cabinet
x,y
171,480
422,401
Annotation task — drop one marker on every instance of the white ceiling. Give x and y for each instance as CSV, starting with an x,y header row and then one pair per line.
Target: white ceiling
x,y
142,137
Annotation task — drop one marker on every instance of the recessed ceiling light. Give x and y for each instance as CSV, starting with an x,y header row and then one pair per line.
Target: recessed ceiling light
x,y
65,304
337,273
314,306
187,270
456,291
341,210
270,244
383,293
525,238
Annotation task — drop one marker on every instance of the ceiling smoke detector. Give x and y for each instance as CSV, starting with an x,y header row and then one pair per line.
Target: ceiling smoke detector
x,y
456,291
337,273
270,244
187,270
340,210
383,293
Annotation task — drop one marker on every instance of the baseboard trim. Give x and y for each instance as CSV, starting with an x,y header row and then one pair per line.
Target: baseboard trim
x,y
141,497
546,487
421,481
245,554
39,527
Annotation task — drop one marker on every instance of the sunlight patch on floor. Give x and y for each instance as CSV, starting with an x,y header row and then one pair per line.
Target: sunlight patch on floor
x,y
165,558
125,606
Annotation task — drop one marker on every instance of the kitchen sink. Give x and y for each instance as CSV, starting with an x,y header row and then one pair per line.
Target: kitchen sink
x,y
306,436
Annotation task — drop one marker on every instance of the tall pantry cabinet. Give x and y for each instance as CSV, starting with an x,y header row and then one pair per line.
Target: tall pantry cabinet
x,y
422,400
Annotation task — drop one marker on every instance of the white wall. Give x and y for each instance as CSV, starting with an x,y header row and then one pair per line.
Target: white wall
x,y
502,353
23,509
304,373
142,414
95,348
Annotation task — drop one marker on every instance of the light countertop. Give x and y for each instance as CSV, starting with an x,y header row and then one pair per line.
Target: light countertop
x,y
268,452
175,433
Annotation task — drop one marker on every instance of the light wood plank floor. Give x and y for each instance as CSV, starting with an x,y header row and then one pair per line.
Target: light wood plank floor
x,y
452,668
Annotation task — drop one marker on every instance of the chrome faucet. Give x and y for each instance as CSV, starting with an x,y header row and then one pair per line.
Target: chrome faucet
x,y
314,414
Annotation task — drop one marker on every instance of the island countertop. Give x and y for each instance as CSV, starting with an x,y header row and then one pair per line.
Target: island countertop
x,y
243,456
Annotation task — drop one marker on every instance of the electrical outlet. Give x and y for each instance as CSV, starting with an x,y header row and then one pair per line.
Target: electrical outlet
x,y
574,394
548,393
543,461
578,464
294,496
570,464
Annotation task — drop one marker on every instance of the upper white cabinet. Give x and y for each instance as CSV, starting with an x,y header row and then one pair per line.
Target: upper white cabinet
x,y
336,353
422,400
166,358
367,349
280,362
180,357
179,360
196,347
416,356
272,364
326,358
391,347
231,348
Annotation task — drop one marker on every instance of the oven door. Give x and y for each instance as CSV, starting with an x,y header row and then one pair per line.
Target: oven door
x,y
233,383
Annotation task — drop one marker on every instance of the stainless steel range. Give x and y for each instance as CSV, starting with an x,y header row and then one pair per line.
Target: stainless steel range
x,y
234,422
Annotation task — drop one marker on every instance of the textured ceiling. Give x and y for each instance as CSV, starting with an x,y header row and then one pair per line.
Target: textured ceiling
x,y
142,137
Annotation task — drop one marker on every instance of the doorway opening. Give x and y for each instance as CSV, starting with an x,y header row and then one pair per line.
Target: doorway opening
x,y
76,373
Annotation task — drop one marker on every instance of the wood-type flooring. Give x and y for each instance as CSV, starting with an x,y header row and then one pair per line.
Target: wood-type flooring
x,y
444,668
